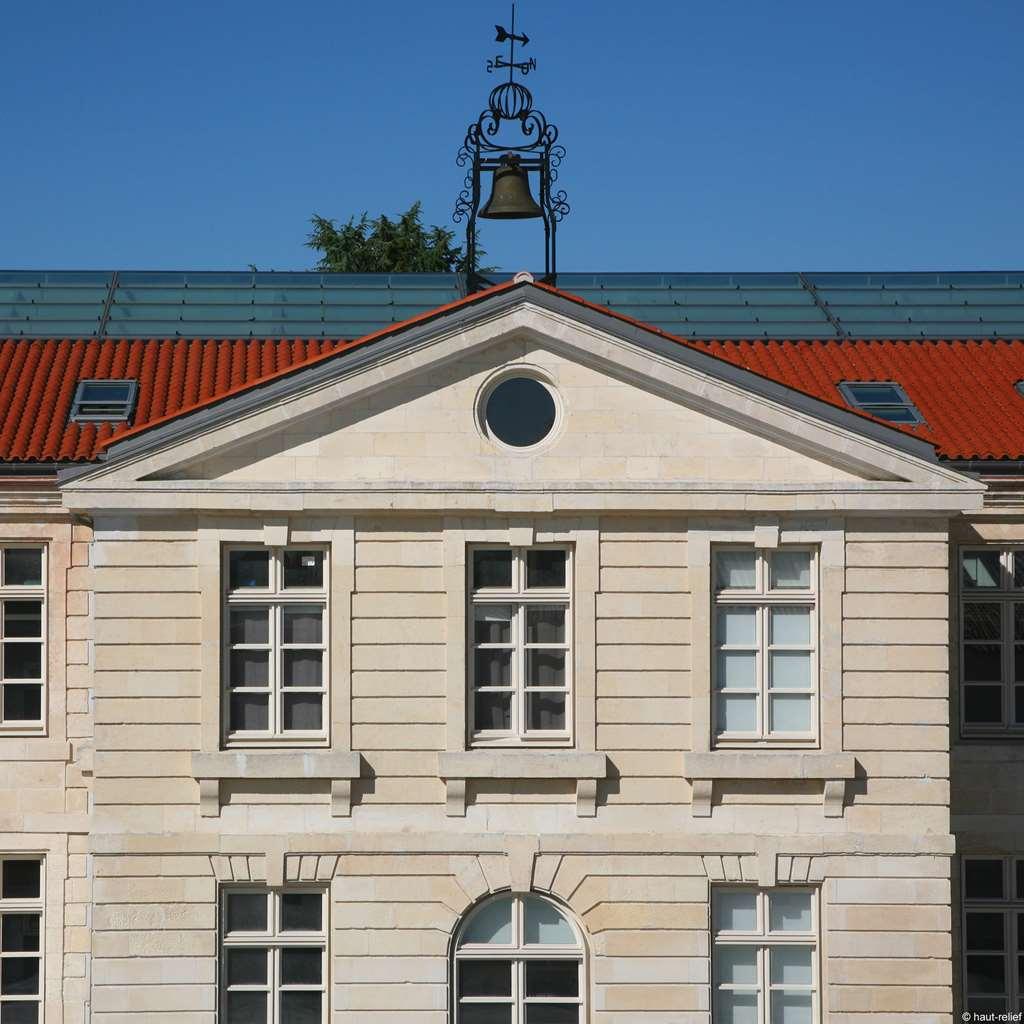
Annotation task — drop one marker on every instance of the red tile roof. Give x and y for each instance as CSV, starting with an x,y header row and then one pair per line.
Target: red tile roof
x,y
963,389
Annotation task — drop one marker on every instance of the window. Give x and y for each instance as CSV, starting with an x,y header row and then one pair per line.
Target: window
x,y
765,956
993,939
519,959
885,400
276,657
519,412
109,400
22,636
521,645
765,636
273,956
992,640
21,945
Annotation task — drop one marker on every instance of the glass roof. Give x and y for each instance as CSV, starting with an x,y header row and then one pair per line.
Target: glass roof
x,y
261,304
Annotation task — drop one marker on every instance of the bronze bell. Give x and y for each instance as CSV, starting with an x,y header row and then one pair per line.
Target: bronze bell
x,y
510,193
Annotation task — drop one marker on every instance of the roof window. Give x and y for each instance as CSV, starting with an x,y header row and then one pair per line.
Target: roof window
x,y
108,400
884,399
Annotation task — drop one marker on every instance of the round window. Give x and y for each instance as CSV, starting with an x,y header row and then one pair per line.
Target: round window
x,y
520,412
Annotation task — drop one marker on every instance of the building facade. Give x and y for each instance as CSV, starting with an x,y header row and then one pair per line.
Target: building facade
x,y
517,663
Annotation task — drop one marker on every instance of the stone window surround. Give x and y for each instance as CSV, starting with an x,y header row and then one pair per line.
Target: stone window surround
x,y
704,765
333,759
581,761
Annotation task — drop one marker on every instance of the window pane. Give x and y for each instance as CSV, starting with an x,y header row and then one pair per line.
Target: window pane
x,y
982,662
303,625
541,1013
1018,708
553,978
790,713
492,569
485,978
491,924
23,703
302,668
247,1007
20,933
247,966
545,668
792,965
492,668
23,661
983,879
735,570
20,880
1018,568
250,668
301,1008
1020,884
1018,621
250,626
545,711
982,620
736,965
737,627
735,911
303,711
791,1007
19,1013
23,618
301,911
545,567
791,570
987,1005
789,911
492,624
545,625
1018,663
737,713
301,966
874,394
986,975
735,1007
985,930
737,670
19,976
485,1013
492,711
249,712
249,569
983,705
246,912
23,567
791,670
303,569
980,569
791,626
545,925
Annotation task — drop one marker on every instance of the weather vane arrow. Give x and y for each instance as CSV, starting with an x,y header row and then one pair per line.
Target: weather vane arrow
x,y
510,36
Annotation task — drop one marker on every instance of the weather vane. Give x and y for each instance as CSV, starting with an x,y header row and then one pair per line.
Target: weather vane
x,y
511,158
524,67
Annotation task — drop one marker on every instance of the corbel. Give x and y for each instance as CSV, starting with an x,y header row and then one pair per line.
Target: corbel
x,y
455,801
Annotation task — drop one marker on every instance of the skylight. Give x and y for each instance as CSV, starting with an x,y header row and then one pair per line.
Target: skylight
x,y
883,399
106,400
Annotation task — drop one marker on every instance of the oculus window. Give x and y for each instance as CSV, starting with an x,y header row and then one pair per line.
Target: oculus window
x,y
105,400
519,412
519,960
883,399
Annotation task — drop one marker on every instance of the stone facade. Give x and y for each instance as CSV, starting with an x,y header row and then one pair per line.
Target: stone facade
x,y
145,813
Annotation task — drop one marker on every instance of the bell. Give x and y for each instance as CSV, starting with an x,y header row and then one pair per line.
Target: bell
x,y
510,193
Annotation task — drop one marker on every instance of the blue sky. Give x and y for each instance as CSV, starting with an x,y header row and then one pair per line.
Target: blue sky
x,y
700,136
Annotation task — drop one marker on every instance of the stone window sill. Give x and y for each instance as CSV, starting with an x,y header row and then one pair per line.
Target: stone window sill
x,y
456,767
340,767
703,770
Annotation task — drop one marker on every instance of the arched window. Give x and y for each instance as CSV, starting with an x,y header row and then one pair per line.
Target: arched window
x,y
519,960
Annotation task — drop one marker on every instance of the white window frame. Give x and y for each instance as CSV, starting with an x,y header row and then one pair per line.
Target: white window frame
x,y
276,597
765,941
1007,596
519,953
763,598
29,906
21,727
520,598
1011,908
274,940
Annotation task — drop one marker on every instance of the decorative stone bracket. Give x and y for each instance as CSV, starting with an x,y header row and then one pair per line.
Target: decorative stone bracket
x,y
703,770
502,763
340,768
